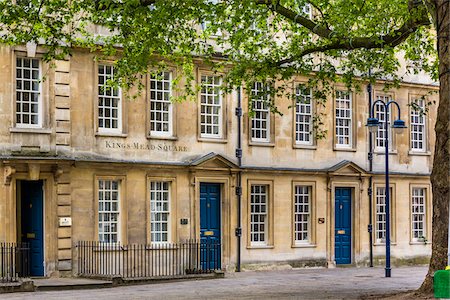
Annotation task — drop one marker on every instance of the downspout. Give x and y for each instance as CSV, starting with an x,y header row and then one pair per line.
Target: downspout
x,y
369,190
238,231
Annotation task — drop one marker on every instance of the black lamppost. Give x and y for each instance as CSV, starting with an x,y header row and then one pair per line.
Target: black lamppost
x,y
373,124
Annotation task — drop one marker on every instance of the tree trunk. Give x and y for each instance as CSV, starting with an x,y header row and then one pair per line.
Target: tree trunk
x,y
441,164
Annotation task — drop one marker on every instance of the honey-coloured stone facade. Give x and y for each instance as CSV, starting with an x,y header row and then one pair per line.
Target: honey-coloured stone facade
x,y
69,155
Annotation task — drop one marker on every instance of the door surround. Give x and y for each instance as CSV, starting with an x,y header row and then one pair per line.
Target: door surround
x,y
49,221
344,211
356,190
24,226
225,213
210,224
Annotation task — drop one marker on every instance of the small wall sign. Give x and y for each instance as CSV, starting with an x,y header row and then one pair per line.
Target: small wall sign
x,y
65,221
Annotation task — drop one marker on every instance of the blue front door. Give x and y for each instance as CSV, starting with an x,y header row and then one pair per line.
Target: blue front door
x,y
210,226
343,226
33,224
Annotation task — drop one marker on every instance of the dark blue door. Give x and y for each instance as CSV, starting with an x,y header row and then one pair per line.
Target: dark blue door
x,y
33,224
343,226
210,225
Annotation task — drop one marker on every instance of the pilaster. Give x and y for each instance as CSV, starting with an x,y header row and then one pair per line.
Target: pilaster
x,y
64,214
62,104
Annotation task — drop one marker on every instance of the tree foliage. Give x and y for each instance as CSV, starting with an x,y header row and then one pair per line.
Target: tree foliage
x,y
251,39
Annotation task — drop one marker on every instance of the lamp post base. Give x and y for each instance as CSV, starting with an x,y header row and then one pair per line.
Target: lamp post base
x,y
387,272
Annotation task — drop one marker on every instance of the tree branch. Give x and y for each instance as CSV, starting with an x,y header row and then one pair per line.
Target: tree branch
x,y
392,39
321,13
297,18
147,2
104,7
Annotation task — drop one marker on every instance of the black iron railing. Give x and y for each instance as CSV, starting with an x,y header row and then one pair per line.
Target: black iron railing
x,y
14,261
146,261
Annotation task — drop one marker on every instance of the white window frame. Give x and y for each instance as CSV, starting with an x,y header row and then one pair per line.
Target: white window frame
x,y
303,118
23,91
154,191
208,93
156,80
380,134
302,200
262,114
419,210
111,107
418,120
263,236
343,119
102,191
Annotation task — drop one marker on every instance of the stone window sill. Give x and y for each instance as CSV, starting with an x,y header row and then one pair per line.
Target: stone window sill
x,y
111,134
384,244
419,153
163,138
420,243
261,144
212,140
344,149
305,245
30,130
306,147
260,247
381,152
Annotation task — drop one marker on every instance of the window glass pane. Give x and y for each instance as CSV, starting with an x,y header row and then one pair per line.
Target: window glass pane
x,y
160,104
303,116
109,102
380,214
159,210
108,210
380,136
258,214
28,86
343,118
260,130
418,216
417,127
302,217
210,107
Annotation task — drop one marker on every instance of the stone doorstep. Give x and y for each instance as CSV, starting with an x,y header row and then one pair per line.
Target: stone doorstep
x,y
95,282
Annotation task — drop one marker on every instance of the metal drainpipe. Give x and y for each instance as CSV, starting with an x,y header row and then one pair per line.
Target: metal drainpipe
x,y
369,190
238,231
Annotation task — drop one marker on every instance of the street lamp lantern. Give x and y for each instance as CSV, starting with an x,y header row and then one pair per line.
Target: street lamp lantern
x,y
373,124
398,126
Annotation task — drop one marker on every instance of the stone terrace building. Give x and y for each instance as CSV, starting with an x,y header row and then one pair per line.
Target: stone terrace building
x,y
82,163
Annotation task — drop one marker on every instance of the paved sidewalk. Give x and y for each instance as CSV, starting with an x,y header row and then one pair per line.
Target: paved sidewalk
x,y
340,283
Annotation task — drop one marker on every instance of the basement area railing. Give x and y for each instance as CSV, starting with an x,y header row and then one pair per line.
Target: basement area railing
x,y
147,261
14,261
